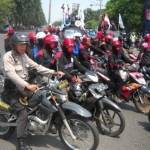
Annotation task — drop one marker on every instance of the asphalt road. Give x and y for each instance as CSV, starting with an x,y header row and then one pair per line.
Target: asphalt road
x,y
135,137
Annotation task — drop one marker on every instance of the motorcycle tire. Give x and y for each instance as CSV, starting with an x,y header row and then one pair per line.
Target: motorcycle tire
x,y
73,121
149,116
142,107
5,132
105,122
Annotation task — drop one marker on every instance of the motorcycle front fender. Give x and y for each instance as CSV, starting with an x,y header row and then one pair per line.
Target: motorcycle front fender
x,y
105,102
77,109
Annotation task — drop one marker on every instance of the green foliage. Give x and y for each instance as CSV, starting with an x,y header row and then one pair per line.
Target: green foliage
x,y
6,9
91,18
91,24
28,13
22,12
131,11
57,23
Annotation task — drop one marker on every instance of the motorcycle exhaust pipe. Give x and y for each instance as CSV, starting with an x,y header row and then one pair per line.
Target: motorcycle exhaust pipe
x,y
36,119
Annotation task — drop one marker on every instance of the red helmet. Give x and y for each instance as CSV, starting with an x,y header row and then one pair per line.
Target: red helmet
x,y
111,33
99,35
52,30
68,43
32,36
116,43
108,38
10,30
86,41
51,41
147,37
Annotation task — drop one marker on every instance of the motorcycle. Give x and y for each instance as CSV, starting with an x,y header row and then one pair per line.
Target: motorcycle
x,y
134,88
149,116
146,74
91,95
71,120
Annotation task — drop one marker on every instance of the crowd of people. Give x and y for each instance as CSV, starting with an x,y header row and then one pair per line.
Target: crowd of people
x,y
49,53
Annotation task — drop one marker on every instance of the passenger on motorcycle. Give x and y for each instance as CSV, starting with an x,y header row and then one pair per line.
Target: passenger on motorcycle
x,y
17,66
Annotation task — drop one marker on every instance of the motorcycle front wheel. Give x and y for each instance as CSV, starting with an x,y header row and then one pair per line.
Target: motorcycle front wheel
x,y
87,137
110,122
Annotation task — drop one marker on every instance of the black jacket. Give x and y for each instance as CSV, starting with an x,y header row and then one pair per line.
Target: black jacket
x,y
67,64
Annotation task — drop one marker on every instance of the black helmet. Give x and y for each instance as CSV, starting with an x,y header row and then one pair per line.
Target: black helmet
x,y
19,38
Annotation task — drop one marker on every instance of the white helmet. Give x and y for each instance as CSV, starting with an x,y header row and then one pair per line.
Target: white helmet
x,y
40,35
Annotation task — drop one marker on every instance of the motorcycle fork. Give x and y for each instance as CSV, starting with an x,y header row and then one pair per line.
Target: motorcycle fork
x,y
141,100
100,108
66,122
62,114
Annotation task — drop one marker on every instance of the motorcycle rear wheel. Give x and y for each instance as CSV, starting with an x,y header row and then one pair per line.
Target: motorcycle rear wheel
x,y
149,116
141,102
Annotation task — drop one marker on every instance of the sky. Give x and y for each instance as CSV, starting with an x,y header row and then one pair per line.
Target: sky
x,y
56,12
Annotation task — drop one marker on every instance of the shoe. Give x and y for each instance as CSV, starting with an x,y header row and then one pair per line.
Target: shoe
x,y
22,145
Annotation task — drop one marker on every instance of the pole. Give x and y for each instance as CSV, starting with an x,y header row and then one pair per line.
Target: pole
x,y
50,6
100,5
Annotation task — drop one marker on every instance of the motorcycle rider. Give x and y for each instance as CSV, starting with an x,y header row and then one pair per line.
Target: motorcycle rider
x,y
145,60
16,65
115,61
69,62
48,55
7,41
32,45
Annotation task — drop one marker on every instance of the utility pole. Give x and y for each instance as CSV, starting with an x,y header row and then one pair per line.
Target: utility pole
x,y
100,4
49,15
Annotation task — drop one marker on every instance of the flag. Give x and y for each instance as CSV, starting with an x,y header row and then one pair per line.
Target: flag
x,y
121,25
65,18
82,18
105,22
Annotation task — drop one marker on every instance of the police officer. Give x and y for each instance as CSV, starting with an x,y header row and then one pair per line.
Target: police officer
x,y
16,65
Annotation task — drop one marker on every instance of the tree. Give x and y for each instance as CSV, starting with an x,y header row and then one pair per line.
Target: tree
x,y
57,23
28,13
131,11
6,9
91,18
